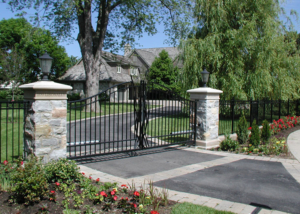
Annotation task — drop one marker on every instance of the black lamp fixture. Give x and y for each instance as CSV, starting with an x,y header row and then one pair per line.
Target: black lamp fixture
x,y
205,76
45,63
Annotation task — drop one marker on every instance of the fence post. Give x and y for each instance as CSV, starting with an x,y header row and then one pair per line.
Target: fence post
x,y
279,108
251,112
271,109
207,116
232,115
288,113
264,113
45,130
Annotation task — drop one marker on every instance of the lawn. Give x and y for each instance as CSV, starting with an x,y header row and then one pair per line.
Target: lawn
x,y
79,112
11,135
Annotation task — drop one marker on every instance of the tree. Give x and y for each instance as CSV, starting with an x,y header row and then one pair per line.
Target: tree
x,y
163,72
12,64
242,44
32,43
117,22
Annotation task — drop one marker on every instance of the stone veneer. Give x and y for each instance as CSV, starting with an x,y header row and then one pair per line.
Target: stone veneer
x,y
207,131
45,121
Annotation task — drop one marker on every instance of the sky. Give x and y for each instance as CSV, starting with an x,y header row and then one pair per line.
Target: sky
x,y
158,40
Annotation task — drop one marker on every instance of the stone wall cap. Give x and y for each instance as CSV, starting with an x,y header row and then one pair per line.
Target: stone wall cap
x,y
45,85
204,90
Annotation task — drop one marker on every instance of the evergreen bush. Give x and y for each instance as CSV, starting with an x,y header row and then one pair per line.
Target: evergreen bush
x,y
254,138
266,132
242,130
228,144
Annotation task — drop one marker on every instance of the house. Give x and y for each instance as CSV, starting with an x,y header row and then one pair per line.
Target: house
x,y
117,69
114,69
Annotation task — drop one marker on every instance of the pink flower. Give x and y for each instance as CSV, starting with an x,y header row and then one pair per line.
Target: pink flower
x,y
22,163
5,162
52,191
90,177
57,184
112,192
103,194
115,198
249,128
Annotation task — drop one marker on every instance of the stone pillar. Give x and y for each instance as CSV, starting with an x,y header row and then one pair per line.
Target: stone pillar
x,y
207,131
46,119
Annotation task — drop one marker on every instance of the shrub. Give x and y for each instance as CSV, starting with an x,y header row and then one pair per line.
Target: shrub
x,y
228,144
254,138
265,132
61,170
30,182
73,96
242,130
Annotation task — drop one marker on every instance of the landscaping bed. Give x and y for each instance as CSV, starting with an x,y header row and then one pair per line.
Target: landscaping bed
x,y
59,187
270,141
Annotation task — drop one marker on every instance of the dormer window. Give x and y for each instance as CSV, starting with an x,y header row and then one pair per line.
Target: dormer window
x,y
119,69
133,71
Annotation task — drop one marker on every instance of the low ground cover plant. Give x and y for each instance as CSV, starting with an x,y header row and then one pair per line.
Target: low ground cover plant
x,y
266,141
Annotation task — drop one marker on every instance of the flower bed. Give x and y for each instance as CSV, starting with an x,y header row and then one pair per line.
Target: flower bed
x,y
59,187
276,145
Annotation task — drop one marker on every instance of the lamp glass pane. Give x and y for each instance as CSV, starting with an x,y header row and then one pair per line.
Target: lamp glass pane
x,y
205,77
46,65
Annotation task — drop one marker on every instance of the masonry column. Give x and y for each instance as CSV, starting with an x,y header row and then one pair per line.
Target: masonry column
x,y
45,121
207,131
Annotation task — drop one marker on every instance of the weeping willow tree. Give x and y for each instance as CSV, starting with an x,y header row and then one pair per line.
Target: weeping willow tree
x,y
245,47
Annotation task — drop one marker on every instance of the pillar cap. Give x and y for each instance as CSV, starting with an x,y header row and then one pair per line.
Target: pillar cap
x,y
204,90
45,90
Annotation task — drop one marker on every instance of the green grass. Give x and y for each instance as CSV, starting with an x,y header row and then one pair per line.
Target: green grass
x,y
189,208
170,124
106,108
11,127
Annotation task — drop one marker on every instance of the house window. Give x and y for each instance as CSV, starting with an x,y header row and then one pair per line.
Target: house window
x,y
133,71
119,69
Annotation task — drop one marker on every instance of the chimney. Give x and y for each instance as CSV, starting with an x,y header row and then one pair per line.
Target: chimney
x,y
127,49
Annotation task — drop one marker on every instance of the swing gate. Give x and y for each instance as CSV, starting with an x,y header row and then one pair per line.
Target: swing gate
x,y
129,117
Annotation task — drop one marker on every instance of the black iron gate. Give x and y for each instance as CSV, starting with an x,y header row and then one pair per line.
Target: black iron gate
x,y
145,116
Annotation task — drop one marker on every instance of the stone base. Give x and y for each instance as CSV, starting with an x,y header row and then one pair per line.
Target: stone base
x,y
209,144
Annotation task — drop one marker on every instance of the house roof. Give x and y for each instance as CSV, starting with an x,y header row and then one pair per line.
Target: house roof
x,y
106,71
149,54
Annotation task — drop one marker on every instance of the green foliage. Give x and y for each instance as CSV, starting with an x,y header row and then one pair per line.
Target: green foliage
x,y
242,130
188,208
61,170
30,182
276,146
73,96
243,45
32,43
163,72
228,144
254,137
3,94
265,132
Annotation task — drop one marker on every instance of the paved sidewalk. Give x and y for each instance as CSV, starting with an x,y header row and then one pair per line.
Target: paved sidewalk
x,y
220,180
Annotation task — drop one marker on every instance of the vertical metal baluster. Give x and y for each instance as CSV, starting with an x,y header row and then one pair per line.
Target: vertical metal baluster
x,y
19,131
100,124
95,125
257,116
1,131
271,109
70,132
7,113
279,108
232,115
288,112
264,100
12,133
251,112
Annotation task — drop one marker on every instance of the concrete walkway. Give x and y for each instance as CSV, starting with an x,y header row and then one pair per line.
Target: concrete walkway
x,y
224,181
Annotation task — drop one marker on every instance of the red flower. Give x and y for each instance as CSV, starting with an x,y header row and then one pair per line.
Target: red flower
x,y
124,185
52,191
57,184
126,198
249,128
136,193
115,198
90,177
112,192
103,194
5,162
22,162
154,212
134,205
83,173
98,180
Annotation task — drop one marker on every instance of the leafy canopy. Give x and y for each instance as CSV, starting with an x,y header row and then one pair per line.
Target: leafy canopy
x,y
243,45
31,43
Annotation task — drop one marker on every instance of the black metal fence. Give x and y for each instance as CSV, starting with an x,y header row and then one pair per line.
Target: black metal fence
x,y
12,129
127,120
232,110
